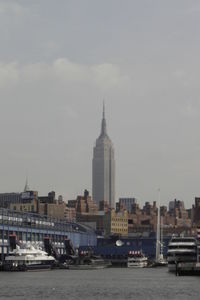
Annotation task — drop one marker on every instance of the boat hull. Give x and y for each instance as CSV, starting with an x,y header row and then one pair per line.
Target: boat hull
x,y
86,267
137,262
24,267
188,269
137,265
159,264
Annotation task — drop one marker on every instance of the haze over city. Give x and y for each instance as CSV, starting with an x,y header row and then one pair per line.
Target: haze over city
x,y
59,60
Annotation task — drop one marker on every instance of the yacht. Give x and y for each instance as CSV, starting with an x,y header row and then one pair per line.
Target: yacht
x,y
136,259
28,258
181,249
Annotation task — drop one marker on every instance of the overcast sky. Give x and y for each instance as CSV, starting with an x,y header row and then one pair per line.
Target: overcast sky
x,y
60,58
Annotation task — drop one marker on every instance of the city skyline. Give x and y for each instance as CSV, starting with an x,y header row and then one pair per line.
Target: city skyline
x,y
56,66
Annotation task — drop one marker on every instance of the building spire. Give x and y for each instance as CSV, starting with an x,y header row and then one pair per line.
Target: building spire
x,y
103,123
26,188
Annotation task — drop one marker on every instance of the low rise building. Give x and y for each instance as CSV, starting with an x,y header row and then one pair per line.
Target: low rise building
x,y
93,218
127,203
55,210
43,205
28,202
116,222
70,214
83,204
195,212
7,198
30,206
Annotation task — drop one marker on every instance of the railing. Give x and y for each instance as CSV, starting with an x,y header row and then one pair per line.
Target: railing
x,y
33,220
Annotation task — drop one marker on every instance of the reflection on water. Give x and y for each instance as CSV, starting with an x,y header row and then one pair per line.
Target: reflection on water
x,y
116,283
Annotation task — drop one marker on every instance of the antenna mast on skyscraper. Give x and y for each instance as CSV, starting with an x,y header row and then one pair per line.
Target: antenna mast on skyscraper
x,y
103,108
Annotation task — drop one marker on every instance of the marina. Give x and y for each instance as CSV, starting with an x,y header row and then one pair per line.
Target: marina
x,y
32,228
31,242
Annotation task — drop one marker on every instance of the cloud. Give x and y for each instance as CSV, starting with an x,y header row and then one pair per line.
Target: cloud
x,y
11,7
70,112
189,111
179,74
193,9
9,74
107,75
50,46
62,71
104,76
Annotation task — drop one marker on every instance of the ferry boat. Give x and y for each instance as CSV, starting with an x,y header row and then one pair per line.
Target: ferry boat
x,y
27,258
181,250
136,259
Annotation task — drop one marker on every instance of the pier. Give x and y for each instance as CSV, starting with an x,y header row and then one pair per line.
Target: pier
x,y
33,228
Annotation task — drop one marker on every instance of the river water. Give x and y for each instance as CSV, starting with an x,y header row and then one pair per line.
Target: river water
x,y
111,283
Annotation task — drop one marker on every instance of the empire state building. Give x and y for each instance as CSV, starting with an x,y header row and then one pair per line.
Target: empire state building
x,y
103,167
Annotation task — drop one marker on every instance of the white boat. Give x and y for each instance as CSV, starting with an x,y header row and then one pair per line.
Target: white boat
x,y
136,259
28,258
181,250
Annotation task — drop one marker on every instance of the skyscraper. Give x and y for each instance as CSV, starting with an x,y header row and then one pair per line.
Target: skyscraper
x,y
103,167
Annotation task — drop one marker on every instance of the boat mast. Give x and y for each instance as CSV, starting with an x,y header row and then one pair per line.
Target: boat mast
x,y
158,229
161,236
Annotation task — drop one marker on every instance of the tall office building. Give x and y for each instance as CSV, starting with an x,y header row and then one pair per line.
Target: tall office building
x,y
103,167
